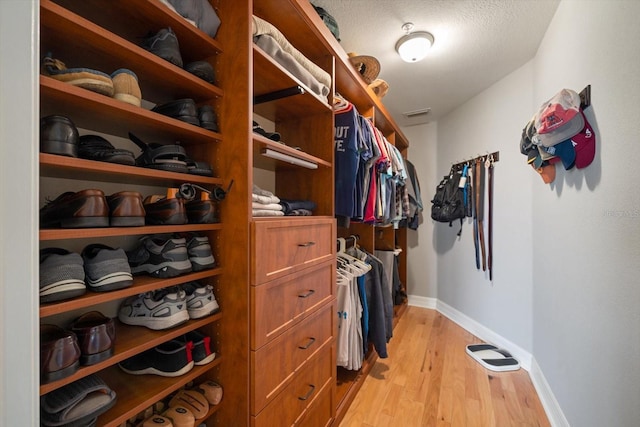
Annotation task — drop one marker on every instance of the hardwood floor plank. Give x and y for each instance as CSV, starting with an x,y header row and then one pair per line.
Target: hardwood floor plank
x,y
429,380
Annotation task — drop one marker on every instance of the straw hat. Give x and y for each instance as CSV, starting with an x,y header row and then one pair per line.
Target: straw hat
x,y
379,87
367,66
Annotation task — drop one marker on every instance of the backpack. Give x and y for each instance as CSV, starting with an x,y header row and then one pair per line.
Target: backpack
x,y
448,203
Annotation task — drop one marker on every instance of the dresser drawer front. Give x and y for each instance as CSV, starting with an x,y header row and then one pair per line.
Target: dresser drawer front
x,y
280,304
285,246
276,363
288,407
320,412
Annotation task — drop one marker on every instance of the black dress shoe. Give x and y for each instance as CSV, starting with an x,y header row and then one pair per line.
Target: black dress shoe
x,y
94,147
58,135
181,109
207,117
201,69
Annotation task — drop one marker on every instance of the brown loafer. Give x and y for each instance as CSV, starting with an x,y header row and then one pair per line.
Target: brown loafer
x,y
126,209
59,353
165,211
96,335
84,209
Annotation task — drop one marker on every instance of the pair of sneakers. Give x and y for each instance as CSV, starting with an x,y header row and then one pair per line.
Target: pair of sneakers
x,y
65,274
122,84
169,307
164,257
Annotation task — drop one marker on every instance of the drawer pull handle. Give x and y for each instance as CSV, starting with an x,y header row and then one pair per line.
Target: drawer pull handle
x,y
309,393
305,347
306,245
308,294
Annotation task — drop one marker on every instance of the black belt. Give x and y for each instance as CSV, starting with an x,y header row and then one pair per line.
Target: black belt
x,y
474,207
480,215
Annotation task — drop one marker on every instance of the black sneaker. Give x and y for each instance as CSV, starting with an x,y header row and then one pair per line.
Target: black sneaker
x,y
201,350
160,257
170,359
165,45
106,268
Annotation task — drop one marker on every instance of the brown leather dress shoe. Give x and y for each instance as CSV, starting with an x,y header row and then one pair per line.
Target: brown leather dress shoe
x,y
126,209
59,353
84,209
165,211
96,336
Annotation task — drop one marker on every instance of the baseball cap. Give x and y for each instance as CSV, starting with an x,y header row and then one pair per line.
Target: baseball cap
x,y
558,119
564,151
547,172
584,144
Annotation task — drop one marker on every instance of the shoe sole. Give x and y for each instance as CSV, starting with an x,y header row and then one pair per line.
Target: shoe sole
x,y
205,311
206,360
202,263
111,282
164,270
93,85
154,371
62,290
129,99
157,323
62,373
92,359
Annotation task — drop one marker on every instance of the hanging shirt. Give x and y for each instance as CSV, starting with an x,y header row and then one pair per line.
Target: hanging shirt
x,y
347,143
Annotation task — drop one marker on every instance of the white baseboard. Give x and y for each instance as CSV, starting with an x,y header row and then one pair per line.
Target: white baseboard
x,y
423,302
548,400
527,361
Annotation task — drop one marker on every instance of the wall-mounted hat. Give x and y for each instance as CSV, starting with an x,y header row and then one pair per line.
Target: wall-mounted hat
x,y
367,66
379,87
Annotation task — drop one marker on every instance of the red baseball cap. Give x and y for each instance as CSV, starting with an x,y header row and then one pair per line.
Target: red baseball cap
x,y
585,145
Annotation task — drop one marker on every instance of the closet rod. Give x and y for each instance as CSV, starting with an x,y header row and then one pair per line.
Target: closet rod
x,y
278,94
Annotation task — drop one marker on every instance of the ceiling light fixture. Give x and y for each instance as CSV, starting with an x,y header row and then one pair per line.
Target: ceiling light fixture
x,y
413,47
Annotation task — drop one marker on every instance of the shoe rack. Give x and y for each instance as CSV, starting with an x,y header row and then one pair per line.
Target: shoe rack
x,y
106,35
276,286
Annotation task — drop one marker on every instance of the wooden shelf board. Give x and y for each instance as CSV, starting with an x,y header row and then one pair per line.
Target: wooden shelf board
x,y
140,285
54,166
137,392
260,143
90,233
100,113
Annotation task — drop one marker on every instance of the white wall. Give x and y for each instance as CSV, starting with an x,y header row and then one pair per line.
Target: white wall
x,y
566,255
586,298
421,259
19,342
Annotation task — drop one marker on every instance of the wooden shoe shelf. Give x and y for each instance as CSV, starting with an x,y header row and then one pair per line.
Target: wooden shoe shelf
x,y
105,35
276,287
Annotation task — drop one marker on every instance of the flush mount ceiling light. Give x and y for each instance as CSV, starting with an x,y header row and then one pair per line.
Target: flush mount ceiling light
x,y
412,47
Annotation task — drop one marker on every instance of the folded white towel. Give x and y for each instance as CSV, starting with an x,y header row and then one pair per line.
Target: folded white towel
x,y
264,199
270,206
266,212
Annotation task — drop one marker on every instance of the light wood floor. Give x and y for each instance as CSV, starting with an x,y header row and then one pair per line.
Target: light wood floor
x,y
429,380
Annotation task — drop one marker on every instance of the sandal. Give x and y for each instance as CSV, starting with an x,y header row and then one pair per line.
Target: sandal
x,y
95,147
171,158
199,168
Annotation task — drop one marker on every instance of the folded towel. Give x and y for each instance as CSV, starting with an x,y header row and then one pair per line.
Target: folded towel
x,y
263,212
260,27
259,191
264,199
269,207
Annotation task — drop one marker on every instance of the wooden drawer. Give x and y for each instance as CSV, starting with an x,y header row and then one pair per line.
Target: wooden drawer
x,y
275,364
280,304
320,412
285,246
288,407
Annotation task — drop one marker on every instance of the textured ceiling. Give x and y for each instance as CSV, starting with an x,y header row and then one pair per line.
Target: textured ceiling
x,y
477,42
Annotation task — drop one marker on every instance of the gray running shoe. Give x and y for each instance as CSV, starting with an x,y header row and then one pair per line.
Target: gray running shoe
x,y
160,257
157,310
200,300
165,45
106,268
200,253
61,275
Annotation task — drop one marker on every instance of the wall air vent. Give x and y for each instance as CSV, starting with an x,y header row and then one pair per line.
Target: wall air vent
x,y
416,113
